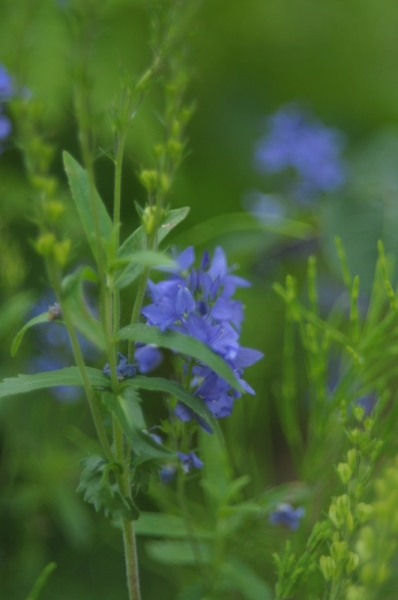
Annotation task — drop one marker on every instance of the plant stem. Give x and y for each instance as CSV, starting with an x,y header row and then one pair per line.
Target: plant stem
x,y
120,143
137,308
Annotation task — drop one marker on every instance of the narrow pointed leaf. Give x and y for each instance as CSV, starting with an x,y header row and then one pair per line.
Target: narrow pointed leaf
x,y
80,188
68,376
136,242
127,411
144,258
174,389
184,344
41,581
43,318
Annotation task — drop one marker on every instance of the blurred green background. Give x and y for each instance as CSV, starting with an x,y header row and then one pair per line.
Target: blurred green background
x,y
247,59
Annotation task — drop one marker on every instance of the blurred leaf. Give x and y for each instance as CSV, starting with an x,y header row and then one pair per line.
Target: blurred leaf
x,y
144,258
76,307
181,343
175,389
98,490
68,376
359,224
80,188
137,241
176,553
241,577
41,581
196,591
43,318
127,411
13,310
207,231
163,525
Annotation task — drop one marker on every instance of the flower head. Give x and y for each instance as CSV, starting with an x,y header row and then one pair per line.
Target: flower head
x,y
6,87
189,461
296,140
199,303
285,514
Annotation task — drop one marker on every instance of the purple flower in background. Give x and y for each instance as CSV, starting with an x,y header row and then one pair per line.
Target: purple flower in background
x,y
199,303
297,140
285,514
5,127
167,473
189,461
6,87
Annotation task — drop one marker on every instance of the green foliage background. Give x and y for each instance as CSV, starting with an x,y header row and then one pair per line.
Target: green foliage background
x,y
247,58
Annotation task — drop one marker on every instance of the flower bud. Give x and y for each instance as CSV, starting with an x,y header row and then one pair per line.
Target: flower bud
x,y
328,567
366,543
345,473
339,550
45,243
174,149
349,521
44,184
165,182
355,436
343,505
335,517
53,209
149,180
352,458
358,412
352,562
61,252
363,512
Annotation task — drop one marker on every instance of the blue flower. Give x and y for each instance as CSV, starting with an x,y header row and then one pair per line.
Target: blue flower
x,y
147,358
199,303
5,127
285,514
6,87
123,368
296,140
189,461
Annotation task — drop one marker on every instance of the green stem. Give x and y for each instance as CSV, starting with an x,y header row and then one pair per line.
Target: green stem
x,y
120,143
193,540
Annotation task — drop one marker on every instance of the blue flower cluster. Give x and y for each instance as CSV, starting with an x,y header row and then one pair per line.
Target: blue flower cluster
x,y
199,303
6,91
298,141
285,514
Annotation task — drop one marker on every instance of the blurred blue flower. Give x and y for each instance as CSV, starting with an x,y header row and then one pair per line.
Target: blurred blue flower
x,y
6,87
265,207
189,461
5,127
167,473
297,140
285,514
147,358
123,368
199,303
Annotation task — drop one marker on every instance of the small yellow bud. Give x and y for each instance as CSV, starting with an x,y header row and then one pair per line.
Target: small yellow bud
x,y
165,182
339,550
334,516
174,149
352,562
149,180
45,243
345,473
328,567
53,209
363,512
343,504
358,413
356,592
61,252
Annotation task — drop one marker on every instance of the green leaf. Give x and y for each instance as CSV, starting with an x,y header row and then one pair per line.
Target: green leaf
x,y
13,310
127,411
68,376
41,581
239,577
80,188
136,242
98,489
175,389
43,318
163,525
143,258
184,344
176,552
76,307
